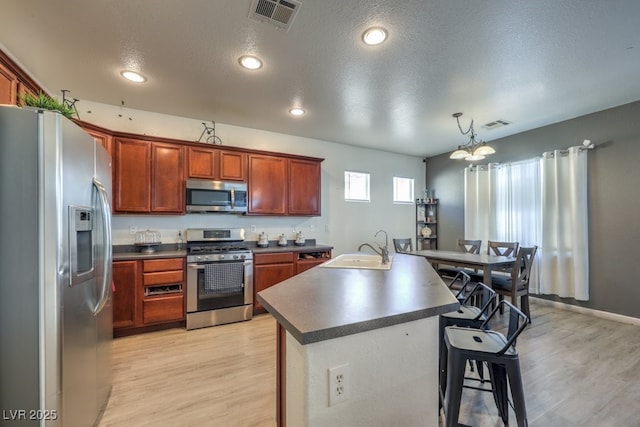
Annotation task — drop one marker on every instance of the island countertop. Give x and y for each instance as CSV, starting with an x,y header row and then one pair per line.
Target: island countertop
x,y
326,303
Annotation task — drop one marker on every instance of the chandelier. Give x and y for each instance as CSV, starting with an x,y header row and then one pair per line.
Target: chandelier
x,y
472,150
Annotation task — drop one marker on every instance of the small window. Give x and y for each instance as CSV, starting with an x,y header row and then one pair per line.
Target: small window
x,y
402,190
356,186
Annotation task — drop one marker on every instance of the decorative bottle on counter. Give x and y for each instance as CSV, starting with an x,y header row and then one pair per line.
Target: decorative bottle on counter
x,y
180,241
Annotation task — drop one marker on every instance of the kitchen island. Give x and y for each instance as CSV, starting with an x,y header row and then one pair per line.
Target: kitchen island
x,y
379,327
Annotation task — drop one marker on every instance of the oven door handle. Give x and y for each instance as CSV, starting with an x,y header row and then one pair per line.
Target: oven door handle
x,y
195,266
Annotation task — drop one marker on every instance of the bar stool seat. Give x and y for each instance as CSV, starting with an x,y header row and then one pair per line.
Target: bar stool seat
x,y
498,351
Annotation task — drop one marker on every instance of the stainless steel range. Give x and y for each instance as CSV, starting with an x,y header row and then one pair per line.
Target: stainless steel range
x,y
219,277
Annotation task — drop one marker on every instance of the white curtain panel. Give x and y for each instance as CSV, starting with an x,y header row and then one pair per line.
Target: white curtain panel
x,y
565,233
503,203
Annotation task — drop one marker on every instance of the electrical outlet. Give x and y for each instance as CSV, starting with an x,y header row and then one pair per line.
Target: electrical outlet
x,y
133,229
253,228
339,380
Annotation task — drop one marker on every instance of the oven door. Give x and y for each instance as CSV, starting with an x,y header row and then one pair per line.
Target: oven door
x,y
219,284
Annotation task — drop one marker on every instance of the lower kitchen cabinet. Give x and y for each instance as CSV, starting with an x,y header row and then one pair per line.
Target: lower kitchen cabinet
x,y
274,267
125,280
269,269
163,296
149,295
307,260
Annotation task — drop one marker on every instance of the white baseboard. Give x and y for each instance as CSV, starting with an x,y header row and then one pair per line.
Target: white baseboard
x,y
584,310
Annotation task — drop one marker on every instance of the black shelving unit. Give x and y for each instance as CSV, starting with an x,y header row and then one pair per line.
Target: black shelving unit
x,y
426,219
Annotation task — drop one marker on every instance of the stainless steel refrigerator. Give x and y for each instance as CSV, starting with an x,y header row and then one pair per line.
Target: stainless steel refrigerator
x,y
55,271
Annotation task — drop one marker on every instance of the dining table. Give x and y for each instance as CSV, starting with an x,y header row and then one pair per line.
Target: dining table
x,y
486,263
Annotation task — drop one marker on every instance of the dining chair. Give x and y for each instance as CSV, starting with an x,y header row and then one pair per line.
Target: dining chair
x,y
517,283
402,245
497,249
502,248
468,246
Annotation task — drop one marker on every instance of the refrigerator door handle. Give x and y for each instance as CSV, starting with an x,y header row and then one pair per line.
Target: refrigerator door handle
x,y
106,228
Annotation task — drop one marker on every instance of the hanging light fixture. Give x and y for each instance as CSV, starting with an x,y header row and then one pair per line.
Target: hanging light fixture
x,y
474,149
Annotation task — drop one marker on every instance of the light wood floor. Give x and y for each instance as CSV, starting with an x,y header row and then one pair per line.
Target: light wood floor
x,y
577,370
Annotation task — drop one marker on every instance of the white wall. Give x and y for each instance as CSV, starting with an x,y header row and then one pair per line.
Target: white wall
x,y
343,225
392,378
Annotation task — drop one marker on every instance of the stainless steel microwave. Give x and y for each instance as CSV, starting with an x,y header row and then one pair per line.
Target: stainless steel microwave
x,y
216,196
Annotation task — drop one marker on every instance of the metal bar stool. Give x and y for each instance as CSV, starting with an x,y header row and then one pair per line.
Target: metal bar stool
x,y
499,352
471,314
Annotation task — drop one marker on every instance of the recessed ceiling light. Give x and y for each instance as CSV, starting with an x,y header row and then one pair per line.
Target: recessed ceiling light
x,y
374,36
133,76
296,111
250,62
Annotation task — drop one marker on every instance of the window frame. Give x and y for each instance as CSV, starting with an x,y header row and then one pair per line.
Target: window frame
x,y
348,194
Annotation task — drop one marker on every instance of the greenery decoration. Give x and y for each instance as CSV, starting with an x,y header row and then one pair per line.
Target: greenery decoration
x,y
45,102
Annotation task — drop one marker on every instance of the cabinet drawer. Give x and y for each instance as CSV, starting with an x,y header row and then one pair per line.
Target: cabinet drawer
x,y
151,265
162,277
163,309
304,265
273,258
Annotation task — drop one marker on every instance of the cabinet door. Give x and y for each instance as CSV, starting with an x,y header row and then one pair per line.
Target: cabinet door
x,y
8,86
268,275
167,182
233,166
267,185
132,176
125,278
202,163
102,139
304,187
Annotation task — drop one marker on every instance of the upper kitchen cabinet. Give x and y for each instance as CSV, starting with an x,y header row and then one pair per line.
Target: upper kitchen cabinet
x,y
267,185
100,135
233,166
304,187
167,182
216,164
281,185
148,177
14,81
8,86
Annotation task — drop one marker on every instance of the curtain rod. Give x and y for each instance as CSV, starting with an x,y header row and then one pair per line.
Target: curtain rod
x,y
586,145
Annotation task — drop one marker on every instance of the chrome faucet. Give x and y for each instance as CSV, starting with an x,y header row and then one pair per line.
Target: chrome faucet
x,y
383,251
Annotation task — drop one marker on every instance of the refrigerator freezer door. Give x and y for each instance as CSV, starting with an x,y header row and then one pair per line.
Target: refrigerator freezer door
x,y
104,309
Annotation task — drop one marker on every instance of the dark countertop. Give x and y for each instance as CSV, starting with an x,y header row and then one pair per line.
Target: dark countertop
x,y
130,256
131,252
310,246
326,303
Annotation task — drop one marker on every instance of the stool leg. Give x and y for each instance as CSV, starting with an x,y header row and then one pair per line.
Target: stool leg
x,y
455,379
517,392
498,376
442,359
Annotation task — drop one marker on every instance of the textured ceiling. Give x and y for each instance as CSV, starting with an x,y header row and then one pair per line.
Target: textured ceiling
x,y
530,63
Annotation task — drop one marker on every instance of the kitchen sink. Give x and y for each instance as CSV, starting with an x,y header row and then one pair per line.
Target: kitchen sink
x,y
364,261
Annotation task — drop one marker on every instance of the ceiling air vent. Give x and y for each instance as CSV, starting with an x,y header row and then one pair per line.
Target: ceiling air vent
x,y
277,12
495,124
